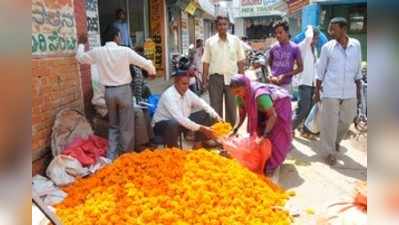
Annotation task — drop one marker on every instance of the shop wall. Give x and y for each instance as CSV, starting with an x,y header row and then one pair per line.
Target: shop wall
x,y
158,34
199,28
57,82
185,34
295,23
173,32
208,29
239,26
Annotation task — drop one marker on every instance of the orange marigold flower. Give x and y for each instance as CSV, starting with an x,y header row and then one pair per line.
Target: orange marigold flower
x,y
175,187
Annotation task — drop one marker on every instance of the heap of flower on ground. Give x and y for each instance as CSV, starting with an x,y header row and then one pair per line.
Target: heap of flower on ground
x,y
172,186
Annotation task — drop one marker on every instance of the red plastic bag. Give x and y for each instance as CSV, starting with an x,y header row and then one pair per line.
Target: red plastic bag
x,y
87,151
249,151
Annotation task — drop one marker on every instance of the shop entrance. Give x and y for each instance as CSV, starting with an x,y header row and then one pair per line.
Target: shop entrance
x,y
137,14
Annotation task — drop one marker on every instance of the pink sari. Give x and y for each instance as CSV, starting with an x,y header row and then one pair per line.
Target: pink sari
x,y
280,136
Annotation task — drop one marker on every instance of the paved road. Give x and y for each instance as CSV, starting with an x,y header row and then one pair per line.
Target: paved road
x,y
316,184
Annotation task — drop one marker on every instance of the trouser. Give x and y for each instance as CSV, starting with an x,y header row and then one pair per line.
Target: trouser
x,y
305,103
336,117
143,130
170,130
121,119
217,89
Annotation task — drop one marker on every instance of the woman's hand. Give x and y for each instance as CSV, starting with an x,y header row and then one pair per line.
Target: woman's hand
x,y
274,80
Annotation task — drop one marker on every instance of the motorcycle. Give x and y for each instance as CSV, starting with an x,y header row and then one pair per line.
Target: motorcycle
x,y
258,63
361,119
183,62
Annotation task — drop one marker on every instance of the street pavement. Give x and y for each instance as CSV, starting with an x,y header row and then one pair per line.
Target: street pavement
x,y
318,185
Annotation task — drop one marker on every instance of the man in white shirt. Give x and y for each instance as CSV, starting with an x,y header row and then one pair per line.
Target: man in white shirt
x,y
113,62
307,77
174,113
199,51
223,57
338,78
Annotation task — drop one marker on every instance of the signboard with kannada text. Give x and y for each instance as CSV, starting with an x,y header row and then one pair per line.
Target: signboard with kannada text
x,y
53,27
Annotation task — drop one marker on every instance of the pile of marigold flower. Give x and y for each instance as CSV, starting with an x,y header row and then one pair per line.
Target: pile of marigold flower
x,y
175,187
221,129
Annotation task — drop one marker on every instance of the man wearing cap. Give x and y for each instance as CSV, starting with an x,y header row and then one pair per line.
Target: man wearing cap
x,y
174,113
337,86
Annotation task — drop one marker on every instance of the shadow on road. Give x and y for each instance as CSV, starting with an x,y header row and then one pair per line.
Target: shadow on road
x,y
346,165
289,170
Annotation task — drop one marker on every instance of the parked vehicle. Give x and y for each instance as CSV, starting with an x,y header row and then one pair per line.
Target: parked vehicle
x,y
361,119
258,63
183,62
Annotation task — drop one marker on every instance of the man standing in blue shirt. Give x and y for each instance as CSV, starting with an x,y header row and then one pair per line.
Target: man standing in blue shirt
x,y
338,78
123,26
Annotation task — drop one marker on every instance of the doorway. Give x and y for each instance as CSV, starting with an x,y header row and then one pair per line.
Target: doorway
x,y
137,13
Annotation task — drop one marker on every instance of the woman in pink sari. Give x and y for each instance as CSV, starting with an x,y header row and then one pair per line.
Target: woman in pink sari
x,y
268,108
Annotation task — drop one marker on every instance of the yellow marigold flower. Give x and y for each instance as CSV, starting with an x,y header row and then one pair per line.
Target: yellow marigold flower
x,y
175,187
221,129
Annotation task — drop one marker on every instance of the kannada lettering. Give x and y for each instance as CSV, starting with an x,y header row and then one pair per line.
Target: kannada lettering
x,y
53,27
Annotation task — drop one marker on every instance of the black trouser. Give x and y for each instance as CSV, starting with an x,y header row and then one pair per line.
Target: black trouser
x,y
305,103
170,130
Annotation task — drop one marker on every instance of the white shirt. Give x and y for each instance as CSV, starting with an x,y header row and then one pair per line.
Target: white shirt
x,y
308,53
113,62
223,56
197,59
172,105
339,68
